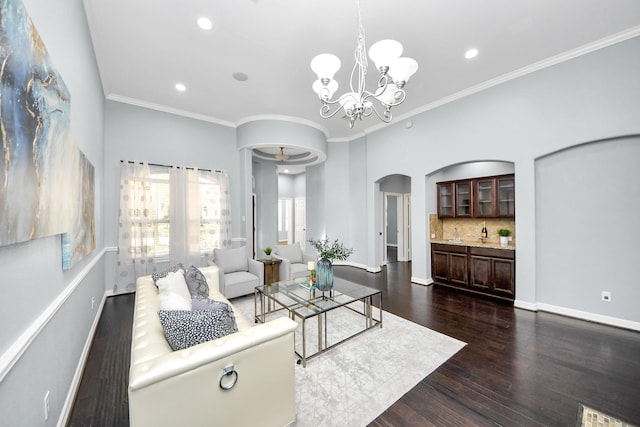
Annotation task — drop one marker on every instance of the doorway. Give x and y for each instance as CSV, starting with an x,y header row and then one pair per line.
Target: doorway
x,y
397,229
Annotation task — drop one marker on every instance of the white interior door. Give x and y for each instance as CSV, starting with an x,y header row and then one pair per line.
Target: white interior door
x,y
300,219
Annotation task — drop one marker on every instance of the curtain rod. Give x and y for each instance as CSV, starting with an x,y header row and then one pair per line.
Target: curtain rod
x,y
168,166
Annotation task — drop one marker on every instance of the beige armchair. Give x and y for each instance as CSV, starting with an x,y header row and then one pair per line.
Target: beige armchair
x,y
294,261
239,274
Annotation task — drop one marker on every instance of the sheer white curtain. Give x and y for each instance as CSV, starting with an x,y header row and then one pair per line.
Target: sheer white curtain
x,y
136,250
184,213
215,203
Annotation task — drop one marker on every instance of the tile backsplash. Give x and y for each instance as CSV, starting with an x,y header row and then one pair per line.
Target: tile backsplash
x,y
469,228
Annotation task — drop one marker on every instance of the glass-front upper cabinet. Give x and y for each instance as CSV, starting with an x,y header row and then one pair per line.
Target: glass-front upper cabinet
x,y
445,200
485,198
506,196
463,199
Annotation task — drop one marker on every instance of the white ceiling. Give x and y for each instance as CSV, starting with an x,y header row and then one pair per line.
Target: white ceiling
x,y
145,47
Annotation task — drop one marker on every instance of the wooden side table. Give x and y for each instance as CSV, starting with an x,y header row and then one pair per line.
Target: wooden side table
x,y
271,267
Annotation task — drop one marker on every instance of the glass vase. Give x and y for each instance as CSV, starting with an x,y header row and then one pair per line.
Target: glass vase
x,y
324,274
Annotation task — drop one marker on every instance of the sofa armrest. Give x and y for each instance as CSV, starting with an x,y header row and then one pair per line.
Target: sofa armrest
x,y
215,278
179,362
284,270
183,386
308,256
257,268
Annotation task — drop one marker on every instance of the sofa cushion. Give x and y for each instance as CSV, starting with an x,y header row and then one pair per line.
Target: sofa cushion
x,y
184,329
196,282
231,260
291,252
174,282
161,274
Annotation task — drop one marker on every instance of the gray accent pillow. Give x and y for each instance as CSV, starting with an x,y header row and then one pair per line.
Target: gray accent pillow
x,y
291,252
231,260
159,275
196,282
200,303
184,329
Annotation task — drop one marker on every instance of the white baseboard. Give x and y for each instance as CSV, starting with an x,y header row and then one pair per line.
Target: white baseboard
x,y
525,305
75,383
591,317
421,281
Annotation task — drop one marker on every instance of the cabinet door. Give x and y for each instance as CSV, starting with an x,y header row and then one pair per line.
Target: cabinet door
x,y
440,266
503,276
480,272
463,199
506,197
485,198
458,271
445,200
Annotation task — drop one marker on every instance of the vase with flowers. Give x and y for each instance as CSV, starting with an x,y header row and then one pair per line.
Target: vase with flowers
x,y
328,251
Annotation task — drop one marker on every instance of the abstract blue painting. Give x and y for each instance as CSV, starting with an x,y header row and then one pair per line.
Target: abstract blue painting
x,y
42,172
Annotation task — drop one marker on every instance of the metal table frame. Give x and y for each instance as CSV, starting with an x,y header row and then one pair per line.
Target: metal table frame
x,y
304,304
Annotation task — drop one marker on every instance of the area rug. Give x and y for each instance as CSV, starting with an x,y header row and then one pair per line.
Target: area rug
x,y
589,417
356,381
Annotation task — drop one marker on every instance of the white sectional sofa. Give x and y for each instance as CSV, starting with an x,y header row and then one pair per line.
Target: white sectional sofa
x,y
183,388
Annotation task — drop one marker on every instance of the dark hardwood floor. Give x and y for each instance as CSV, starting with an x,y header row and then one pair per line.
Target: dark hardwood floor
x,y
518,368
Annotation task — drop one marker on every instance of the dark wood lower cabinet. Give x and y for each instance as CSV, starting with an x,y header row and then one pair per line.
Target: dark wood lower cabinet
x,y
449,264
485,271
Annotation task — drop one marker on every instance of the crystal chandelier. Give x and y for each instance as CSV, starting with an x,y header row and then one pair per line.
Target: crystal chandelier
x,y
359,102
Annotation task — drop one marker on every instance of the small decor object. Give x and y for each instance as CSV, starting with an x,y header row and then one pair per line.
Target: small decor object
x,y
267,252
504,237
311,266
327,252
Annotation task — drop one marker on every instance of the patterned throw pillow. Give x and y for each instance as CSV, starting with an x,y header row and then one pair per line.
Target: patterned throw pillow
x,y
197,283
184,329
200,303
161,274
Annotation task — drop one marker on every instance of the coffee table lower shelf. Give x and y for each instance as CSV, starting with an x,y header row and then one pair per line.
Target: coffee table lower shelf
x,y
315,304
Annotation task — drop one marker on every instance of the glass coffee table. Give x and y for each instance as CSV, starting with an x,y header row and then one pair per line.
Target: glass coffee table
x,y
348,309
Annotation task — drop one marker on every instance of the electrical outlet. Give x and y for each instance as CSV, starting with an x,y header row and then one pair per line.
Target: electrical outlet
x,y
46,406
93,303
606,296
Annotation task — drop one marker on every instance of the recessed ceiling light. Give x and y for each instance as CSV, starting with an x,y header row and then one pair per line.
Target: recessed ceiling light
x,y
286,171
471,53
180,87
205,23
241,77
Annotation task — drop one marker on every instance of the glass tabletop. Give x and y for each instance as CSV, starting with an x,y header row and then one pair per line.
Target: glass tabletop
x,y
296,296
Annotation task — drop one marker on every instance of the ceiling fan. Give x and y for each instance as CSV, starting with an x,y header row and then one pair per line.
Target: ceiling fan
x,y
281,156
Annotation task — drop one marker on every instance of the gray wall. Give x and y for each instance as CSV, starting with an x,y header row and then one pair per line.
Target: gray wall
x,y
587,98
587,205
45,313
266,190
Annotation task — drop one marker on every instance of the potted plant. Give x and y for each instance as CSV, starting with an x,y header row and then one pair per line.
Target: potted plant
x,y
504,237
267,252
327,252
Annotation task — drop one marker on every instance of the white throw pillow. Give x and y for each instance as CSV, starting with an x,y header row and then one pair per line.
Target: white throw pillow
x,y
172,301
175,283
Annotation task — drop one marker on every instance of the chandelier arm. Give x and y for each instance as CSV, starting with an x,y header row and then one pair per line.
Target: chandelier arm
x,y
386,115
325,110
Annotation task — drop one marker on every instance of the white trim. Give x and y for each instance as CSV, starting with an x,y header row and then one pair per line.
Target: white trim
x,y
239,239
75,383
525,305
20,345
283,118
420,281
165,109
554,60
592,317
110,249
